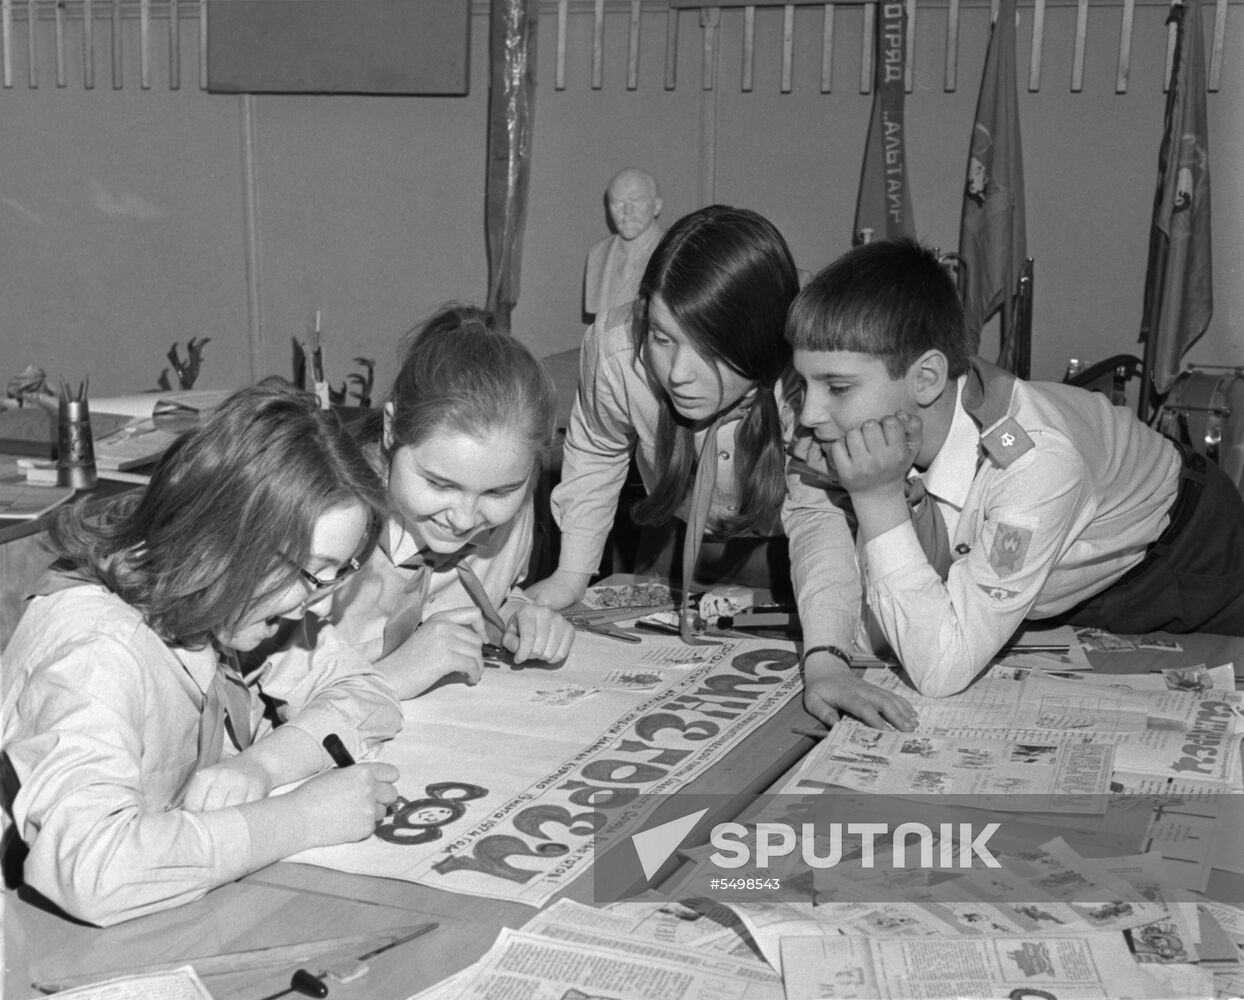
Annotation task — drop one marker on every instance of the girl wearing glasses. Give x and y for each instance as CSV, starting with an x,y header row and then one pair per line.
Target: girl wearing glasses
x,y
459,443
138,756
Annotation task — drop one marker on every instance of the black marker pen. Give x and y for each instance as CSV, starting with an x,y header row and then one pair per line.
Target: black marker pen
x,y
342,758
337,750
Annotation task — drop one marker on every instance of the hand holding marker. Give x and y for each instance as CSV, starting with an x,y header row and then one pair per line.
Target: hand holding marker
x,y
343,758
337,750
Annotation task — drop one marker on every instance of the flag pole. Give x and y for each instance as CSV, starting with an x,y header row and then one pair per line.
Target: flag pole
x,y
1178,289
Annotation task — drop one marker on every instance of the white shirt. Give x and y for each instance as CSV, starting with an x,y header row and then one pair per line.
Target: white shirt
x,y
1056,526
362,607
616,412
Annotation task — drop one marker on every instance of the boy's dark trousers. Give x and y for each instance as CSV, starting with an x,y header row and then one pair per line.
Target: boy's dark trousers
x,y
1192,577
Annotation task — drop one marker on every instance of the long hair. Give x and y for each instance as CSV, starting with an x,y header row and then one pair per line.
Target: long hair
x,y
727,277
892,299
463,372
228,516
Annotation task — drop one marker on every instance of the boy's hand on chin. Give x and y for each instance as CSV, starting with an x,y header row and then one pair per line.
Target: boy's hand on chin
x,y
876,456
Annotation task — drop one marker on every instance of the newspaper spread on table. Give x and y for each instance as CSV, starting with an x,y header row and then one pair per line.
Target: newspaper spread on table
x,y
1191,736
507,782
1080,967
561,961
856,756
1106,703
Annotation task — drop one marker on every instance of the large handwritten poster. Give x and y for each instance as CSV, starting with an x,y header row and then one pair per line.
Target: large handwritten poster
x,y
507,782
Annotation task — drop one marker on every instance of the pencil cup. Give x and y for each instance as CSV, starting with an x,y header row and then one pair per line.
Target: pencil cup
x,y
75,455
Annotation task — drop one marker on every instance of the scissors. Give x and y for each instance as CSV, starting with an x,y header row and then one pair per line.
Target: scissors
x,y
496,656
601,628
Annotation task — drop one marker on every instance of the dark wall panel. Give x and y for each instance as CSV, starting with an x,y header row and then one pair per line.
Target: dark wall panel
x,y
338,46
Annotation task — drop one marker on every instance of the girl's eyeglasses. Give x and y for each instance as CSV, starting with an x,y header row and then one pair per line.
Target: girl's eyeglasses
x,y
321,588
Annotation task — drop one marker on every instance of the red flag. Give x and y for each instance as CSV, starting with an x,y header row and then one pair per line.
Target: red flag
x,y
883,210
992,240
1179,293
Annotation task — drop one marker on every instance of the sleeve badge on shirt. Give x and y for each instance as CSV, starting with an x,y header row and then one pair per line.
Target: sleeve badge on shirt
x,y
1006,442
998,594
1010,546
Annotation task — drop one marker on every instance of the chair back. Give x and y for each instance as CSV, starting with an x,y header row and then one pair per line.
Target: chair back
x,y
1015,354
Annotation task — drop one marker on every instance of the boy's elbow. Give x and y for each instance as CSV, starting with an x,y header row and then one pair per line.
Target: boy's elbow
x,y
939,684
939,688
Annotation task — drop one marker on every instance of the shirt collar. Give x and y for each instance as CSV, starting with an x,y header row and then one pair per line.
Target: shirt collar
x,y
200,664
402,545
950,474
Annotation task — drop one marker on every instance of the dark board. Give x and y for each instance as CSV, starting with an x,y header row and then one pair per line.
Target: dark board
x,y
338,46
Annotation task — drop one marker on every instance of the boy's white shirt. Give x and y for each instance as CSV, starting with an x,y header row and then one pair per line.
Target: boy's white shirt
x,y
1083,505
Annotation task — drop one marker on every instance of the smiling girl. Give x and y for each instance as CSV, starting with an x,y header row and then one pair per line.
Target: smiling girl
x,y
693,381
138,757
469,412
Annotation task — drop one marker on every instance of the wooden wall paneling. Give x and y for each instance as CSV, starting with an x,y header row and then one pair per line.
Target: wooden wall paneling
x,y
950,74
559,71
598,44
1172,34
144,44
1038,45
1077,53
827,48
174,45
909,44
203,44
1220,34
32,64
6,41
88,45
788,47
114,33
59,15
671,48
632,48
710,20
1125,47
868,47
749,48
123,13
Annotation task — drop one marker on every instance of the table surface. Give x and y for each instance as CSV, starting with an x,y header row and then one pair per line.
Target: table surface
x,y
291,903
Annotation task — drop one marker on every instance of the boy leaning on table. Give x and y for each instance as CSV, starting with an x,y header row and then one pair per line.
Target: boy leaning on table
x,y
1043,500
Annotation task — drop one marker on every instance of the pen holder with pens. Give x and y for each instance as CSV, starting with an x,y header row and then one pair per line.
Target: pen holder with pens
x,y
75,453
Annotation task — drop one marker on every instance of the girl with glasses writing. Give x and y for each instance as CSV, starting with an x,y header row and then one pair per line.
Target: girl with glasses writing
x,y
459,444
139,758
